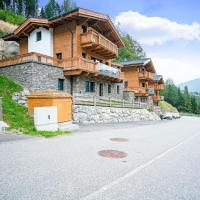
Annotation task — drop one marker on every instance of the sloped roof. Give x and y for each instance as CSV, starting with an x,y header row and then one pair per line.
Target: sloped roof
x,y
146,62
158,78
100,21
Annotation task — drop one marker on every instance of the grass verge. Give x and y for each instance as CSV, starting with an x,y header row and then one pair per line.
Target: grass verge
x,y
16,115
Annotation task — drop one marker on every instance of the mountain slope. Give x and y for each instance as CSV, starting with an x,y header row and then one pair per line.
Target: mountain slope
x,y
193,85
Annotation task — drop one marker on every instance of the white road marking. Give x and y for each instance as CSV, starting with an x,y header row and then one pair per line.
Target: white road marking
x,y
136,170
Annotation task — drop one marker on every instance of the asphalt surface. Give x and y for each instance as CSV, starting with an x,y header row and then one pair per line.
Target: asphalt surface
x,y
162,162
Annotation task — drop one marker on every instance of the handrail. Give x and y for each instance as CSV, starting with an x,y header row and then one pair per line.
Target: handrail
x,y
95,37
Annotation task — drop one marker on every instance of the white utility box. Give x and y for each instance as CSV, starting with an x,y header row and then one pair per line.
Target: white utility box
x,y
46,118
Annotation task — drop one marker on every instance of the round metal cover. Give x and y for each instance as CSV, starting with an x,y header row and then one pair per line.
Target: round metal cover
x,y
119,139
112,154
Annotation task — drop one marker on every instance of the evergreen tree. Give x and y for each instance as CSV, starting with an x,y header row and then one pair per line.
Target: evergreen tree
x,y
131,51
187,100
194,105
52,9
31,8
20,7
67,6
42,13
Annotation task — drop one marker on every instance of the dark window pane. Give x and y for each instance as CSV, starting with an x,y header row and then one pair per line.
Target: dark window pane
x,y
109,89
118,89
38,36
60,84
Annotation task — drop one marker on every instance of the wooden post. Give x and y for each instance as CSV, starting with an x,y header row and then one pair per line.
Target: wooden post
x,y
1,110
123,103
110,103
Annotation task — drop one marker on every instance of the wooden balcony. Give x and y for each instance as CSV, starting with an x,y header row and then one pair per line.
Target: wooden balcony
x,y
97,43
146,75
73,66
139,91
158,98
159,87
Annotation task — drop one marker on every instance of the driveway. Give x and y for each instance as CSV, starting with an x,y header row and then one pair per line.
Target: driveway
x,y
161,161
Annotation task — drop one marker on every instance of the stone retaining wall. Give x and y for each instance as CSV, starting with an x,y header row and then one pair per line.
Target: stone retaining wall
x,y
91,114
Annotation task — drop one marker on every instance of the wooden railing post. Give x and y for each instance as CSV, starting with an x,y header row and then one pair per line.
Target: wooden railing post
x,y
110,102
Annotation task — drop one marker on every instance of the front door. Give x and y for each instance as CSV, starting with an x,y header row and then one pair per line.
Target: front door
x,y
100,89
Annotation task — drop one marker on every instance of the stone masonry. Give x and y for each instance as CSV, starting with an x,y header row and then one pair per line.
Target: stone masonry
x,y
33,75
38,76
91,114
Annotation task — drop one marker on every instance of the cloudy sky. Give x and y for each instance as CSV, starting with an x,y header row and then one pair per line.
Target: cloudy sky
x,y
169,31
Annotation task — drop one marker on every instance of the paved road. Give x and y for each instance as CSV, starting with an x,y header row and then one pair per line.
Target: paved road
x,y
162,163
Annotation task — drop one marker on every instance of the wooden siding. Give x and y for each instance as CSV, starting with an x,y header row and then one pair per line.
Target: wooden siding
x,y
23,46
63,104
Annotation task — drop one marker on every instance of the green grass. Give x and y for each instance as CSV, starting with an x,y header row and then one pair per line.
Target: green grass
x,y
16,115
167,107
11,17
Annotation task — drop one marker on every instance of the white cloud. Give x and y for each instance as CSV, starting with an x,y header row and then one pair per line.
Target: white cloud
x,y
155,30
179,70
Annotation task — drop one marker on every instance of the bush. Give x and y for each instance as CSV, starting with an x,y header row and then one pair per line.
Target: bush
x,y
167,107
11,17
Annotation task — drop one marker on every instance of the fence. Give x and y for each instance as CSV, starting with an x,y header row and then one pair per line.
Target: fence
x,y
107,102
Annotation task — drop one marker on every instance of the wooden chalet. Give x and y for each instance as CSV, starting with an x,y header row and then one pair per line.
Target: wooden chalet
x,y
81,42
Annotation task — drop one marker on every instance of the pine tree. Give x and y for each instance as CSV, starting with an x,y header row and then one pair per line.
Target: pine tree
x,y
52,9
131,51
20,7
42,13
187,100
67,6
31,8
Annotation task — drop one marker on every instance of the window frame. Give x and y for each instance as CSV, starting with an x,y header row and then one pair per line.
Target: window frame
x,y
38,38
118,89
90,86
109,89
61,83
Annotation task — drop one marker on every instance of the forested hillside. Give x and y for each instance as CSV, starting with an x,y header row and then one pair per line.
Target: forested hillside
x,y
184,101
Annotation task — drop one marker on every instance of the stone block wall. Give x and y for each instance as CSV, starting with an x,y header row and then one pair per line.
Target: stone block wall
x,y
91,114
79,87
33,75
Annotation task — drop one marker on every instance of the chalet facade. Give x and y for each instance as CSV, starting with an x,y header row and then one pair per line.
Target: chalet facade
x,y
142,80
72,52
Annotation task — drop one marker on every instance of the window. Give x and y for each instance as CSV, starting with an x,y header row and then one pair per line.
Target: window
x,y
143,84
59,56
126,84
93,59
38,36
109,89
84,55
84,29
118,89
39,59
89,86
60,84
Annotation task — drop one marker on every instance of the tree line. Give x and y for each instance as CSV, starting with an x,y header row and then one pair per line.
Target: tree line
x,y
30,8
183,100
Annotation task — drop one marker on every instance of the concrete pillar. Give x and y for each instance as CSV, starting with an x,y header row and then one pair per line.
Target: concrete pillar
x,y
1,110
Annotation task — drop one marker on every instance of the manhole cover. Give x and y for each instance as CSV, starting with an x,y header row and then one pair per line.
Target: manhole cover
x,y
112,154
119,139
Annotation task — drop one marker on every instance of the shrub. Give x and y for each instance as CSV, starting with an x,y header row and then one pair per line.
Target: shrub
x,y
11,17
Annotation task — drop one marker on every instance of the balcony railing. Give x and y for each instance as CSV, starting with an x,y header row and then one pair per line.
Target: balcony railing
x,y
159,87
138,90
70,66
100,44
146,75
106,70
158,98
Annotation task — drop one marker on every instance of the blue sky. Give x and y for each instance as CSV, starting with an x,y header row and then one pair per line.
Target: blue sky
x,y
169,31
